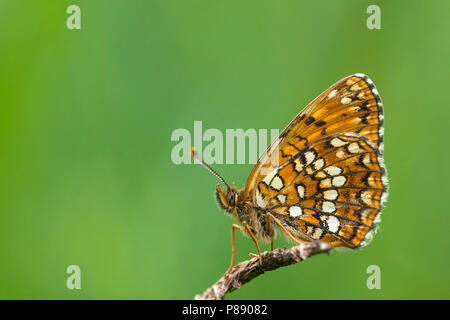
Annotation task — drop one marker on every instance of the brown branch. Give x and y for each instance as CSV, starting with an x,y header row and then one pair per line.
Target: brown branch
x,y
250,269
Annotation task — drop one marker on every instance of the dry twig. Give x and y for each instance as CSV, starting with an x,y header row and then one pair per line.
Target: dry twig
x,y
250,269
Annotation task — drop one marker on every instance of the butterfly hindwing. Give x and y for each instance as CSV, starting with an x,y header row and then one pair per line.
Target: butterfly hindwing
x,y
337,186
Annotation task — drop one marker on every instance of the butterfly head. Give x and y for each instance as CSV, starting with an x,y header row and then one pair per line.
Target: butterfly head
x,y
228,199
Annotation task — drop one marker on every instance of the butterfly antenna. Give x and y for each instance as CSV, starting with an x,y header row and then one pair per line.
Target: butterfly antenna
x,y
194,155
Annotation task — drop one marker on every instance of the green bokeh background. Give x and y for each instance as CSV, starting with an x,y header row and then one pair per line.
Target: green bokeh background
x,y
85,141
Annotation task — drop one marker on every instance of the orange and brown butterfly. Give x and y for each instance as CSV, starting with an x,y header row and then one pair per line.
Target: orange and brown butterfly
x,y
323,178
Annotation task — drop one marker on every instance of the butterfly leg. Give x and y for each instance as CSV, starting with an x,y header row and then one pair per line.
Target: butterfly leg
x,y
236,216
233,245
268,231
270,216
250,233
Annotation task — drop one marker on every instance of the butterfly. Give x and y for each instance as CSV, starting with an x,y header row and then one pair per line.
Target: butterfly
x,y
323,178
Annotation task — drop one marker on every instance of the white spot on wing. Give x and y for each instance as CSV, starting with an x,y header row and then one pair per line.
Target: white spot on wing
x,y
353,147
298,165
366,197
381,132
366,160
301,191
333,170
336,142
332,93
319,163
384,197
333,224
317,233
328,206
320,174
339,181
355,109
260,201
282,198
340,154
325,183
309,156
277,183
346,100
330,194
267,179
295,211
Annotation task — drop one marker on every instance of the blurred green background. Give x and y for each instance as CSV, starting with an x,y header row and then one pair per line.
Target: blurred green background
x,y
85,141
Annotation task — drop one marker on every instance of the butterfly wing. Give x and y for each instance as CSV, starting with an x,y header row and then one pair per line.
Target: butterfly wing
x,y
324,176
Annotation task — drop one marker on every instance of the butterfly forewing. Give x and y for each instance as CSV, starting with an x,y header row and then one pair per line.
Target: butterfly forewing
x,y
324,176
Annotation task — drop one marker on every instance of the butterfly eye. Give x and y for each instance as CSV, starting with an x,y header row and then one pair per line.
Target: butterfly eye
x,y
231,198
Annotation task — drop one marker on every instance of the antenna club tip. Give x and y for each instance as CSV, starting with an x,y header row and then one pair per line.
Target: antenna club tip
x,y
193,152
